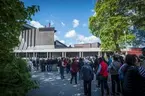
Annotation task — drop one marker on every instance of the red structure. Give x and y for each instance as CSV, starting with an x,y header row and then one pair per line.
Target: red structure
x,y
136,51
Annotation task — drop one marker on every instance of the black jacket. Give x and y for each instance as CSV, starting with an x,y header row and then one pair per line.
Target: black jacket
x,y
134,83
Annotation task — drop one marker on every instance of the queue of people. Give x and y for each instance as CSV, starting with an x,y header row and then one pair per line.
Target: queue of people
x,y
126,73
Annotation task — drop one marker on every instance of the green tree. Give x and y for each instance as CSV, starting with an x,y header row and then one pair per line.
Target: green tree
x,y
13,14
112,21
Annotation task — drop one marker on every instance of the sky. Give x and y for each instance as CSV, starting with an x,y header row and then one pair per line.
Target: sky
x,y
69,17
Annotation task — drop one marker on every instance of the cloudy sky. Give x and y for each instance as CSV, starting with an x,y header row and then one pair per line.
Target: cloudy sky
x,y
69,17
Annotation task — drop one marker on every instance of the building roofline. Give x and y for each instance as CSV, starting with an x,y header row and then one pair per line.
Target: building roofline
x,y
61,43
27,26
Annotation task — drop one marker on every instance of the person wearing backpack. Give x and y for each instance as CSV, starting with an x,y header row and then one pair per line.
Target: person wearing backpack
x,y
87,76
113,70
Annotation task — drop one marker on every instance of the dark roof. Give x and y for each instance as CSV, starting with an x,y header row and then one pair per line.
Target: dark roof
x,y
47,29
27,26
58,46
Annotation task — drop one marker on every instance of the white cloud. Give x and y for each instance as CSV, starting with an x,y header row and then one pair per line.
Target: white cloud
x,y
94,14
62,24
51,22
75,23
56,37
70,34
62,41
84,25
92,10
90,39
36,24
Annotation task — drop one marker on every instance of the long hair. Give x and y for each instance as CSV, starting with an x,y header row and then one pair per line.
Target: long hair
x,y
130,60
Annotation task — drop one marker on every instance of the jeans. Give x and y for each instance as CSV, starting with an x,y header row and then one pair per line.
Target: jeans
x,y
62,72
73,75
80,75
115,80
98,79
67,70
104,85
50,67
87,88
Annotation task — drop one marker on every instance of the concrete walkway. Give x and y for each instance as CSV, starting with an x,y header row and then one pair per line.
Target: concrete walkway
x,y
51,85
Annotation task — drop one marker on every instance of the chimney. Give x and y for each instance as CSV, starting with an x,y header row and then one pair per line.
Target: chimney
x,y
49,24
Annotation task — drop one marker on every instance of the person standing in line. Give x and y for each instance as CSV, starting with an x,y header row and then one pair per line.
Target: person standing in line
x,y
50,64
134,78
62,67
74,70
68,66
37,63
87,77
109,59
30,65
142,57
80,64
96,66
113,70
47,65
103,71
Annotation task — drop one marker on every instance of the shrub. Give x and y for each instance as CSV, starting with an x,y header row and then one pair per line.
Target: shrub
x,y
15,78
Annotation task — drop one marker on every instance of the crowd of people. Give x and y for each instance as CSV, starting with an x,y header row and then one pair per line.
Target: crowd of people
x,y
126,72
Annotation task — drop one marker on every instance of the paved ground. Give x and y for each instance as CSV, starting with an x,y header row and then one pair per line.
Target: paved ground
x,y
52,85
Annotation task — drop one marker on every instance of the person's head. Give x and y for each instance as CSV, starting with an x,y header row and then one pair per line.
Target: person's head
x,y
100,60
143,51
115,58
86,61
137,60
81,59
130,60
73,60
108,55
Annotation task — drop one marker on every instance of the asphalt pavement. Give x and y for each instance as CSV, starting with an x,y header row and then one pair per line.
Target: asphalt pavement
x,y
50,84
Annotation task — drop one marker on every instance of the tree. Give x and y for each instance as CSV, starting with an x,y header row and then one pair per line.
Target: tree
x,y
13,14
112,22
140,37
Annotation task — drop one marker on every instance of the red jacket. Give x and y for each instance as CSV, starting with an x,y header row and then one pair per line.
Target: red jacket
x,y
65,62
104,68
74,67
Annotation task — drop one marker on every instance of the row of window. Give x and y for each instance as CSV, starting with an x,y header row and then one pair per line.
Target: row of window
x,y
28,35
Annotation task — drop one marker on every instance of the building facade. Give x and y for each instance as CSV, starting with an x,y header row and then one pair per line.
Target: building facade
x,y
88,45
33,38
39,42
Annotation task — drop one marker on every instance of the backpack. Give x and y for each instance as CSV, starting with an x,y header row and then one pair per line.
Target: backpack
x,y
122,73
87,73
114,68
131,84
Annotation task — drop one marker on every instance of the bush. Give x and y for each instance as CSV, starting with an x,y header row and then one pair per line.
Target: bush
x,y
15,78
